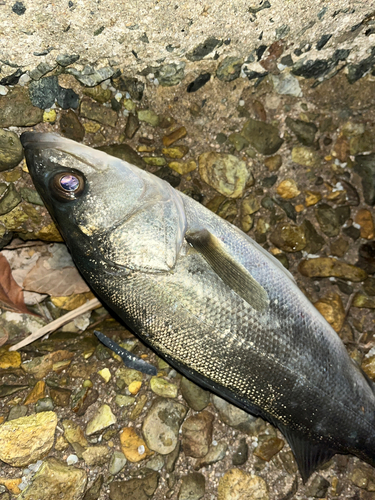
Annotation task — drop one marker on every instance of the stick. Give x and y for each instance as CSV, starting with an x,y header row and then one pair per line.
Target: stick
x,y
54,325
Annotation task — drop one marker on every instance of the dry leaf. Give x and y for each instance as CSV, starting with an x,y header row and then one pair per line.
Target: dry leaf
x,y
56,282
11,295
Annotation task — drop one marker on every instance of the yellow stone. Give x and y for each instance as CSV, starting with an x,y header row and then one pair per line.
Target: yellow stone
x,y
365,220
299,208
59,366
38,392
49,233
183,168
177,134
9,359
134,387
132,446
2,419
49,116
72,302
12,484
12,175
74,434
332,309
26,440
143,148
176,152
91,127
312,198
105,374
239,485
288,189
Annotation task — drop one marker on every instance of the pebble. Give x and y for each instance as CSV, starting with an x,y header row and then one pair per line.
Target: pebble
x,y
98,113
173,137
71,127
148,116
183,168
122,400
288,237
163,388
98,93
229,69
44,404
241,454
39,367
171,74
203,49
90,77
38,392
9,359
288,189
83,400
305,156
132,446
60,396
141,488
369,286
262,136
41,70
102,419
365,221
16,412
312,198
318,487
286,84
233,416
224,172
156,463
196,397
10,198
54,479
95,456
362,301
192,487
17,109
363,477
27,439
67,98
330,306
197,434
175,152
304,131
327,219
273,163
326,267
216,452
11,152
162,424
199,82
366,257
237,484
105,374
268,447
66,59
93,492
156,161
43,92
132,125
117,463
364,166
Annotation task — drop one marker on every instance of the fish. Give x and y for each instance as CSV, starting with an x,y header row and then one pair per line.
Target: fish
x,y
206,298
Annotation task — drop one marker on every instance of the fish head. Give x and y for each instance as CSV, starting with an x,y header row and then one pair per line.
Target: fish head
x,y
126,215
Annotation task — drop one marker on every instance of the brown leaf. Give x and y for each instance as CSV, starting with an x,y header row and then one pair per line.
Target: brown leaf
x,y
11,295
56,282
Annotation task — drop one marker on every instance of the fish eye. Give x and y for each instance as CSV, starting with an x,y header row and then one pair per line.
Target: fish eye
x,y
67,186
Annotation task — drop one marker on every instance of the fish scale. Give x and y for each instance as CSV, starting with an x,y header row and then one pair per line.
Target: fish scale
x,y
208,299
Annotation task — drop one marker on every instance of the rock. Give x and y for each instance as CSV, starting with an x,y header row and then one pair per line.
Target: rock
x,y
199,82
67,98
156,463
233,416
216,452
364,166
27,439
196,397
39,367
124,152
312,198
131,85
101,420
236,484
183,168
288,237
96,455
60,397
339,247
90,77
32,196
305,156
132,125
161,425
163,388
17,110
330,306
286,84
364,219
117,463
224,172
9,198
262,136
16,412
203,49
43,92
98,93
83,400
197,434
74,435
171,74
11,152
122,400
326,267
369,286
268,447
192,487
132,446
288,189
156,161
305,132
287,207
362,301
363,477
176,152
9,359
148,116
44,404
366,257
241,454
328,219
7,390
101,114
54,479
229,69
318,487
314,241
273,163
93,492
173,137
71,127
38,392
134,489
65,60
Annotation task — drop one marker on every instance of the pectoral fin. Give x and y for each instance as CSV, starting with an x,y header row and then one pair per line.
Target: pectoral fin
x,y
234,274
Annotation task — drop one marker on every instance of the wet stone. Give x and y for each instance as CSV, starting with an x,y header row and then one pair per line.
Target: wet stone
x,y
8,390
124,152
98,113
262,136
305,156
9,198
327,219
43,92
241,454
134,489
325,267
44,404
268,447
364,166
236,484
352,232
197,434
169,176
156,161
156,463
331,307
314,241
32,196
288,237
363,477
17,109
11,152
312,198
345,287
273,163
192,487
132,125
305,132
224,172
199,82
183,168
101,420
117,463
161,425
196,397
16,412
133,446
216,452
229,69
71,127
288,189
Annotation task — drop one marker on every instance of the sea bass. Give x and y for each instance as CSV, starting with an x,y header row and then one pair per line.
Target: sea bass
x,y
206,298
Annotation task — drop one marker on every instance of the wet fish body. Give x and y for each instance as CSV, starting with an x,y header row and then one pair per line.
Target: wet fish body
x,y
206,298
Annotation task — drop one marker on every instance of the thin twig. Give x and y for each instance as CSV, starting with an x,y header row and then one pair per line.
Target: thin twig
x,y
54,325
